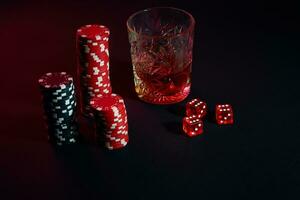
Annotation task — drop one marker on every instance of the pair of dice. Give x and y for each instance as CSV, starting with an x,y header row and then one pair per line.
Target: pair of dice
x,y
196,110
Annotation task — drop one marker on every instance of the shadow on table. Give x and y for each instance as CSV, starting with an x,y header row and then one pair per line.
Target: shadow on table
x,y
210,117
173,127
177,109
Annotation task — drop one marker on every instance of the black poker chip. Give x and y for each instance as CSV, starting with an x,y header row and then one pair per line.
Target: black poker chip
x,y
58,98
61,140
59,111
59,104
57,91
68,133
59,108
64,98
63,126
60,122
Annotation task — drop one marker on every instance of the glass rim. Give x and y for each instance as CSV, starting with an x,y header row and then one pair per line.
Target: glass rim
x,y
190,16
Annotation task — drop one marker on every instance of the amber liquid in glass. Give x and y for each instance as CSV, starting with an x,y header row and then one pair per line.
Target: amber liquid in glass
x,y
162,84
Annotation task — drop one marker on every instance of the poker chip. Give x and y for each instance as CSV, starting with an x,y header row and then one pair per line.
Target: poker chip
x,y
57,80
59,103
93,33
96,98
93,64
111,145
111,125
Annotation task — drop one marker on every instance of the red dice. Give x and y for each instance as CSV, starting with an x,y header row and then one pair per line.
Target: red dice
x,y
196,107
192,125
224,114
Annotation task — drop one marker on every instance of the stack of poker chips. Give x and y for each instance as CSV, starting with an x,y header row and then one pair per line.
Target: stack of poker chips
x,y
59,102
110,121
93,64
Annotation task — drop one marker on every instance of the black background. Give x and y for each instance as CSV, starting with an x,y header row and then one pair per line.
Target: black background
x,y
245,53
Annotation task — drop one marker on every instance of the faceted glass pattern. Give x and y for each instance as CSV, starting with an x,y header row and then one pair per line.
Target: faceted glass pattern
x,y
161,42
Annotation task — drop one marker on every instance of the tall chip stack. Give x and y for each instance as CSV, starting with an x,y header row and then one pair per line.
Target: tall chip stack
x,y
93,64
59,102
110,121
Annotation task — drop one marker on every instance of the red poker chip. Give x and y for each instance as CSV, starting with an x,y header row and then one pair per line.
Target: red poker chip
x,y
97,88
99,91
85,42
111,145
86,52
109,129
95,69
116,134
112,126
120,134
96,75
93,32
116,139
97,41
111,118
119,129
111,121
118,107
103,91
97,61
91,86
87,98
99,64
92,66
123,133
96,83
88,65
118,144
105,103
94,78
55,80
110,115
94,72
101,46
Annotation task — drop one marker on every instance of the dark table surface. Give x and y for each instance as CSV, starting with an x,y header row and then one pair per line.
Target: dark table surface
x,y
245,53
